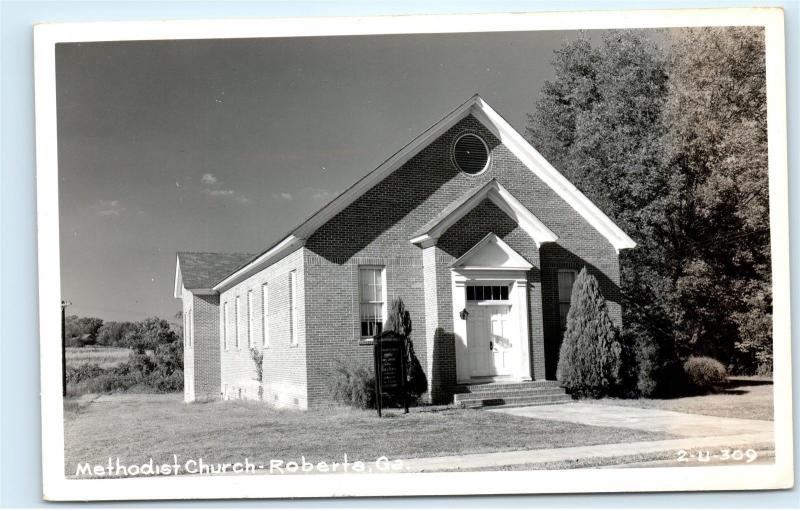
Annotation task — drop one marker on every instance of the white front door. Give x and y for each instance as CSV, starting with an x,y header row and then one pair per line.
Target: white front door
x,y
489,340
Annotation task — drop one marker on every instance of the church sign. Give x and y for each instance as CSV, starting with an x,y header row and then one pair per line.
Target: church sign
x,y
390,368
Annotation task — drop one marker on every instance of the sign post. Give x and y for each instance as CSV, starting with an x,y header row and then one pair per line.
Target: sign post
x,y
390,368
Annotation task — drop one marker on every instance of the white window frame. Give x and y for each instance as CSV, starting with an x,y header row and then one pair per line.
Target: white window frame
x,y
293,341
225,317
382,270
265,315
237,308
249,318
568,301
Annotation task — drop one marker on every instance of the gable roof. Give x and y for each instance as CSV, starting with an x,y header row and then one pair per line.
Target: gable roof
x,y
479,109
501,197
492,253
199,271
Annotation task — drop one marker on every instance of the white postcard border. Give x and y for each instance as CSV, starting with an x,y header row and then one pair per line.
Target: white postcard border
x,y
57,487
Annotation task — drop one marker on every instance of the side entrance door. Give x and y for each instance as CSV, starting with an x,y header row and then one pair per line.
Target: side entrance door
x,y
489,340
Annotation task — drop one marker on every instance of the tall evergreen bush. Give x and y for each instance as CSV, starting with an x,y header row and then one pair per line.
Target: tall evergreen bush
x,y
591,355
399,321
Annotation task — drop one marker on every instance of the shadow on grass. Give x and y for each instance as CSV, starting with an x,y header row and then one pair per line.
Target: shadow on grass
x,y
734,382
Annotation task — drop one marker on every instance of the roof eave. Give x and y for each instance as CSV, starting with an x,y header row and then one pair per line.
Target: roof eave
x,y
532,159
282,249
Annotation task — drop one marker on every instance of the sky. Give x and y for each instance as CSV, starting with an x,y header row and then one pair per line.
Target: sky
x,y
224,145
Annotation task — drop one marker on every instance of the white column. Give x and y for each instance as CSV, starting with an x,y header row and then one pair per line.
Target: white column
x,y
460,327
520,303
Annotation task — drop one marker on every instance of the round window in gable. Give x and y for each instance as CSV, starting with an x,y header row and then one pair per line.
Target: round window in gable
x,y
471,154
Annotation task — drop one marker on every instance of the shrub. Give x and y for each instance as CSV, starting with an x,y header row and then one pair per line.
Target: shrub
x,y
140,362
590,359
353,384
108,381
83,372
764,368
258,359
148,334
399,320
141,373
168,357
172,382
704,373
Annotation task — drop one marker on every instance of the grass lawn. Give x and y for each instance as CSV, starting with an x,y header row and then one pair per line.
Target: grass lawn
x,y
103,356
137,427
745,398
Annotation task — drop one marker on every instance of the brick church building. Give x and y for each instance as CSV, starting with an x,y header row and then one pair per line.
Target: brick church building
x,y
478,234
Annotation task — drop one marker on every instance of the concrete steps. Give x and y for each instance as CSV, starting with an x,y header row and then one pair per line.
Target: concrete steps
x,y
509,394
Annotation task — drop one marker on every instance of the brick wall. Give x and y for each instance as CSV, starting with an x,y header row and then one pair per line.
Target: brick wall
x,y
333,326
377,227
205,314
201,358
284,364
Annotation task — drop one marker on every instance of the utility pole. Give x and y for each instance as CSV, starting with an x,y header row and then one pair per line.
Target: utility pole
x,y
64,305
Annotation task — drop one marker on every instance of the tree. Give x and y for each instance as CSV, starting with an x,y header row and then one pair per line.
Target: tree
x,y
717,134
600,122
150,333
112,333
590,360
80,331
673,147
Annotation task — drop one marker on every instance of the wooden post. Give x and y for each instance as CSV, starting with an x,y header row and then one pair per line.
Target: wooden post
x,y
64,305
376,350
404,373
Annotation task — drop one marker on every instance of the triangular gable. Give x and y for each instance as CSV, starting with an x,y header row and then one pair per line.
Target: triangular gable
x,y
178,292
479,109
502,198
491,253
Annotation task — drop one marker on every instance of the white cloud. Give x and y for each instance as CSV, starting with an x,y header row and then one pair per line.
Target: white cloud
x,y
217,193
110,207
209,179
282,195
322,195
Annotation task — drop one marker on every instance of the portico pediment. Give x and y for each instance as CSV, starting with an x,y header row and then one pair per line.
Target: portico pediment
x,y
502,198
491,253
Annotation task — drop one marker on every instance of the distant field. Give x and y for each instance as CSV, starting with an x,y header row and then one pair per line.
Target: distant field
x,y
103,356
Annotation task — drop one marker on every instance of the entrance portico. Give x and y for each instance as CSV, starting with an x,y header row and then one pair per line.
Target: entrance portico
x,y
490,313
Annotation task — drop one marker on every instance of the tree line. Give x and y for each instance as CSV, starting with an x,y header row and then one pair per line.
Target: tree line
x,y
90,331
670,140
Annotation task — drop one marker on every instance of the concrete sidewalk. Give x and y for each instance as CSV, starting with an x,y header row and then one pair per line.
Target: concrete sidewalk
x,y
643,419
516,458
700,432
